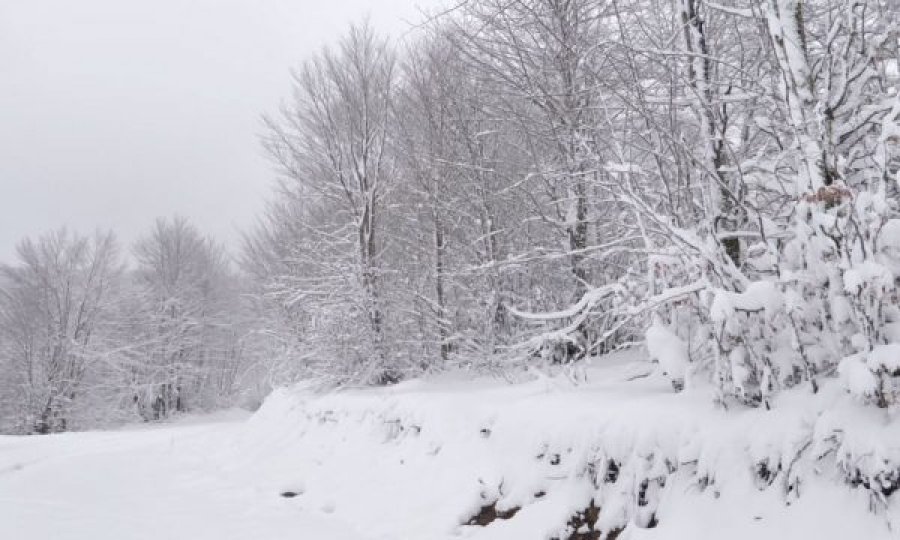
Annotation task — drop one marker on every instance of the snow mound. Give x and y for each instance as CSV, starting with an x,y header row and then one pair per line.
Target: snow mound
x,y
618,455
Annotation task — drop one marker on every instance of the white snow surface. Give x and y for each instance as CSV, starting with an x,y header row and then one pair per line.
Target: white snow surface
x,y
760,296
142,483
668,349
415,461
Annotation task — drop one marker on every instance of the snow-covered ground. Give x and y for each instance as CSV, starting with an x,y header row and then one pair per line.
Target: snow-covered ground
x,y
137,484
419,460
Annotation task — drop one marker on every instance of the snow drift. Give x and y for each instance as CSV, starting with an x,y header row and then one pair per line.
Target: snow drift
x,y
616,455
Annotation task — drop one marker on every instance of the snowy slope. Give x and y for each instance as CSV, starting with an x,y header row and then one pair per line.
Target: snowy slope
x,y
419,460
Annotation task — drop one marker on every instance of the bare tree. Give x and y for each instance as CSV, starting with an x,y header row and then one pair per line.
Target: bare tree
x,y
52,308
547,58
186,337
332,144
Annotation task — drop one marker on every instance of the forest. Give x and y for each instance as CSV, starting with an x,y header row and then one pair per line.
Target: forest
x,y
516,185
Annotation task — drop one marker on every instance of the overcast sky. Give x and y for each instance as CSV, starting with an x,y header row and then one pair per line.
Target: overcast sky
x,y
114,112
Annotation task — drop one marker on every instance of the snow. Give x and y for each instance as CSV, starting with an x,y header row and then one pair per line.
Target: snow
x,y
889,244
141,484
760,296
885,357
857,378
419,459
668,349
868,274
841,310
614,167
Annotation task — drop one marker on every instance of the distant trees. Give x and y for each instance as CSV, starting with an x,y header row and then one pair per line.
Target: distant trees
x,y
185,301
54,308
84,340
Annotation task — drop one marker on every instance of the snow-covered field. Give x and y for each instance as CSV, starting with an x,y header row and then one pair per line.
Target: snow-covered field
x,y
419,460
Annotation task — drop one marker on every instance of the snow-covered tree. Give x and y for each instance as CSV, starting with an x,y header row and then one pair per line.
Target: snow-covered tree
x,y
53,308
184,309
331,143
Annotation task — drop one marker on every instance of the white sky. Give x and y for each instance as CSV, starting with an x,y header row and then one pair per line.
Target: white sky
x,y
114,112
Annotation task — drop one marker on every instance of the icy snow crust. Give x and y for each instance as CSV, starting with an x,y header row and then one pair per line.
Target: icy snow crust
x,y
418,460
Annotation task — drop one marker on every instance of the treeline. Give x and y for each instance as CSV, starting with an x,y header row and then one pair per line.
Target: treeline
x,y
86,340
543,180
